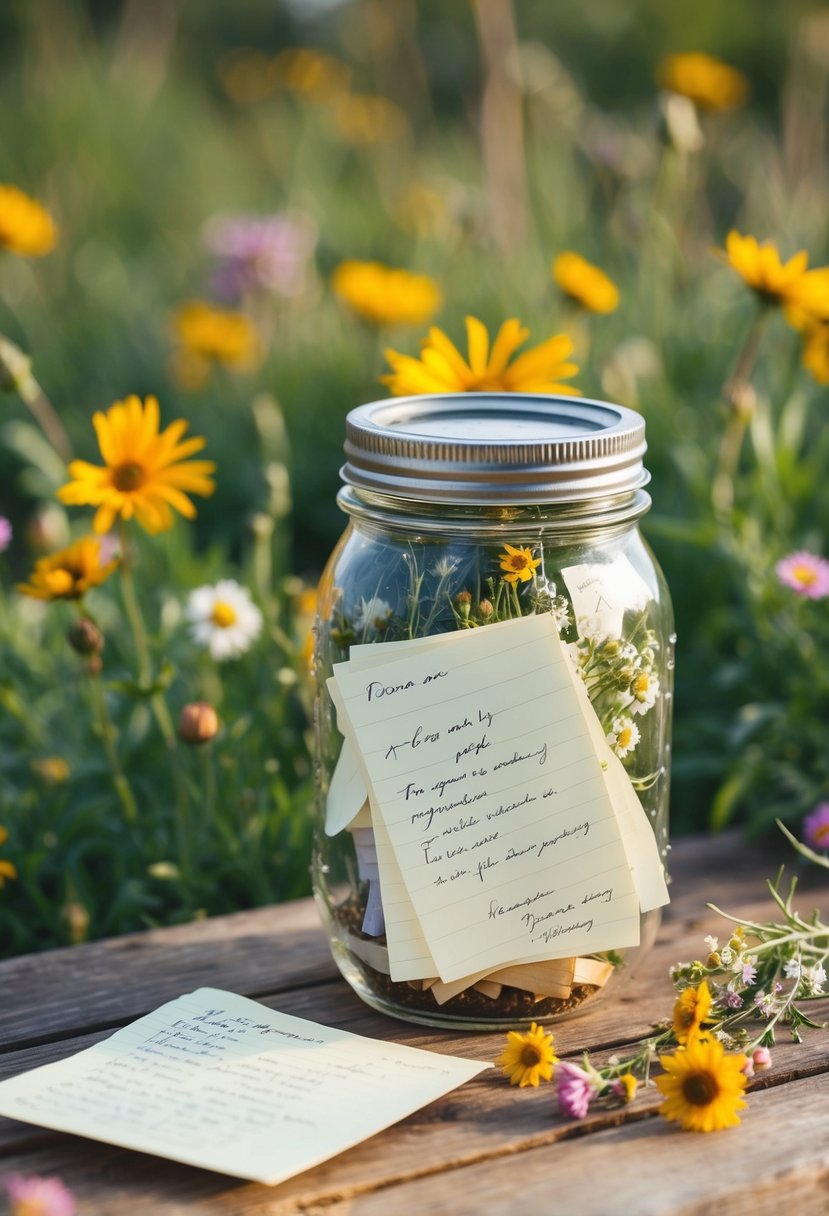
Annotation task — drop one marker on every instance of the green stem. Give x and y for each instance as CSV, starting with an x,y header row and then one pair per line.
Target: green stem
x,y
731,445
119,780
16,373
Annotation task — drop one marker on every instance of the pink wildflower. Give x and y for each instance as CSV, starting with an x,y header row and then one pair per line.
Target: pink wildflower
x,y
269,253
816,827
761,1057
34,1196
748,973
5,534
748,1067
575,1089
805,573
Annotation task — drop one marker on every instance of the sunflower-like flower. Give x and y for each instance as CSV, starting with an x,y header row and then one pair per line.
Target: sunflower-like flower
x,y
584,283
145,473
816,353
708,82
209,336
529,1057
690,1011
703,1087
441,367
385,295
26,227
760,268
518,565
69,573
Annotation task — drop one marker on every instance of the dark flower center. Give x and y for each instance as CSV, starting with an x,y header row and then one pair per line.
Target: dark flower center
x,y
530,1055
129,477
700,1088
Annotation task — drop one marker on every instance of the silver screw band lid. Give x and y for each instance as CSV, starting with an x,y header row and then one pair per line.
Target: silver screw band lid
x,y
494,448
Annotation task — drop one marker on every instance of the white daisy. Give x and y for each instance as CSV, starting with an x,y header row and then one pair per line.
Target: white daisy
x,y
644,690
372,615
224,619
623,736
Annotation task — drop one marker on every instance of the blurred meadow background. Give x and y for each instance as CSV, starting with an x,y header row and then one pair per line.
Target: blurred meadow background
x,y
213,179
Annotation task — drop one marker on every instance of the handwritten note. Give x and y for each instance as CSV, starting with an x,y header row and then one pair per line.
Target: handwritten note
x,y
481,766
215,1080
603,592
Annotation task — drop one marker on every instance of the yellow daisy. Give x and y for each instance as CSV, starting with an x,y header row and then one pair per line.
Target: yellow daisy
x,y
69,573
519,564
383,295
626,1086
703,1087
710,83
145,471
26,226
807,303
208,336
441,367
528,1057
690,1011
584,283
816,353
760,268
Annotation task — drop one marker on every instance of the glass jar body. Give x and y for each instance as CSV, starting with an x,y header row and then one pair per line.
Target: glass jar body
x,y
403,570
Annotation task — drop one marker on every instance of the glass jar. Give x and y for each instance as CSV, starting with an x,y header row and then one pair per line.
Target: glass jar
x,y
464,510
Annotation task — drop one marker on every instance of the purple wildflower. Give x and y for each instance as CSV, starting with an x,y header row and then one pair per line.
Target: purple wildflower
x,y
805,573
5,534
764,1003
748,973
34,1196
575,1090
816,827
732,999
267,253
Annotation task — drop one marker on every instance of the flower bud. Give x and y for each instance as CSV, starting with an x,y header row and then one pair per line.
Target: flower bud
x,y
198,723
485,609
463,602
713,959
761,1057
85,637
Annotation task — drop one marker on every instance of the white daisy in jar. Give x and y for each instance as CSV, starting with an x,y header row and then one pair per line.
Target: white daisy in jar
x,y
623,736
372,615
224,619
644,690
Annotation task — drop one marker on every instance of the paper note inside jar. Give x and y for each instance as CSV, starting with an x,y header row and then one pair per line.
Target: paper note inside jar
x,y
481,765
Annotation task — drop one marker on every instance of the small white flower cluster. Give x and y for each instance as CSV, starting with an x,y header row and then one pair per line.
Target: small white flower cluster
x,y
372,616
620,679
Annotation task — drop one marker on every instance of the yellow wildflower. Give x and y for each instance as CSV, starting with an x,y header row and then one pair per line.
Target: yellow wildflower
x,y
519,564
703,1086
529,1057
69,573
584,283
710,83
816,353
7,870
442,369
54,770
760,268
26,226
315,74
690,1011
383,295
362,118
626,1086
145,471
210,336
807,303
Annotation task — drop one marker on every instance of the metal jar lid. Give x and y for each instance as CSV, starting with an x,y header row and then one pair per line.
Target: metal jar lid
x,y
494,448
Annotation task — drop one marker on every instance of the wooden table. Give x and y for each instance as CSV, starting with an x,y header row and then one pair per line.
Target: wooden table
x,y
486,1147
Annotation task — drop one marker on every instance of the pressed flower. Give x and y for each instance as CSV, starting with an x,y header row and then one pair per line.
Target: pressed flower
x,y
208,336
519,565
710,83
703,1087
584,283
623,736
816,353
760,268
691,1010
441,367
576,1089
224,619
34,1196
26,227
260,253
816,827
5,534
805,573
69,573
385,295
528,1056
146,472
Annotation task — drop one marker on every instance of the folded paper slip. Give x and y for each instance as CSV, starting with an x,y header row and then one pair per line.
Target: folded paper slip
x,y
218,1081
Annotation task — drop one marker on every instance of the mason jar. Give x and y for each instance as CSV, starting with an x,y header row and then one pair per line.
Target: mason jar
x,y
465,510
